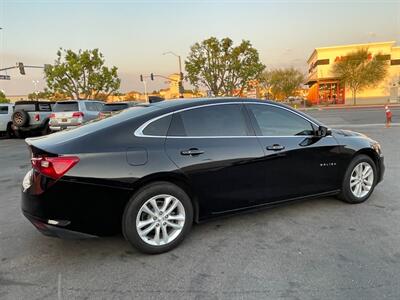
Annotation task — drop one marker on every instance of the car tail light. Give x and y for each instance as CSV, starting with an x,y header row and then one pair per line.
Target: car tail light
x,y
37,117
78,114
52,116
54,167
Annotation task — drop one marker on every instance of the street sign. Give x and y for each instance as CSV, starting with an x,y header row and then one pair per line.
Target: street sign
x,y
5,77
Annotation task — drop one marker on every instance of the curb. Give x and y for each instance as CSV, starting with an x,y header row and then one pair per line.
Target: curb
x,y
394,105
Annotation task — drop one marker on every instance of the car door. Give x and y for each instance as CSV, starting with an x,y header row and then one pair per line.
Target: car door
x,y
4,116
215,147
296,162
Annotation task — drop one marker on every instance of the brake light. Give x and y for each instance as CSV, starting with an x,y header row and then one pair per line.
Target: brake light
x,y
54,167
37,117
78,114
52,116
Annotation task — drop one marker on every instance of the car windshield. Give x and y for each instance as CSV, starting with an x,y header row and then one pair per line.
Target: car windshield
x,y
114,107
66,106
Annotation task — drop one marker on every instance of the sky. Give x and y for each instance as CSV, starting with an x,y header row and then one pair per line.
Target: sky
x,y
133,35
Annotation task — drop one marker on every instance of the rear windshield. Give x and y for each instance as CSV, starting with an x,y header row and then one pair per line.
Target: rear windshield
x,y
114,107
66,106
25,107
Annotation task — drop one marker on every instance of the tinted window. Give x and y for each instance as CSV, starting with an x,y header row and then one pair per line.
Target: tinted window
x,y
3,110
158,127
275,121
91,106
114,107
44,107
26,107
99,106
215,120
66,106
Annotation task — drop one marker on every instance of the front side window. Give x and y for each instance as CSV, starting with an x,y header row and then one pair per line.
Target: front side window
x,y
213,120
274,121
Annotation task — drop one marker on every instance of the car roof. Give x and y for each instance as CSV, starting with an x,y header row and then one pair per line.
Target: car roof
x,y
33,102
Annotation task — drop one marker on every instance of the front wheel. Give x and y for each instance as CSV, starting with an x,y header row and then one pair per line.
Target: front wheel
x,y
359,180
157,218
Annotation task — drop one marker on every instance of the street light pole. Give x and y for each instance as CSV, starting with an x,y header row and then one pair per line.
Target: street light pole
x,y
145,91
180,71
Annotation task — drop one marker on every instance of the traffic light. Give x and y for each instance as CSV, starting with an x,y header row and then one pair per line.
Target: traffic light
x,y
141,77
21,68
151,76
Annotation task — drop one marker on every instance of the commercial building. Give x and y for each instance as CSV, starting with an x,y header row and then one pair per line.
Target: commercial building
x,y
326,89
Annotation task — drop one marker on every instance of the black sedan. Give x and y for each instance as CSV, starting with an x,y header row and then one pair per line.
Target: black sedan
x,y
152,170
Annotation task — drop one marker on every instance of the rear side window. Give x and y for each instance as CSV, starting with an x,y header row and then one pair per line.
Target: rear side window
x,y
214,120
66,106
274,121
26,107
91,106
114,107
158,127
44,107
3,110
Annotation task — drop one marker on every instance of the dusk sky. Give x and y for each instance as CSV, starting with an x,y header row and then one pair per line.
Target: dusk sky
x,y
132,35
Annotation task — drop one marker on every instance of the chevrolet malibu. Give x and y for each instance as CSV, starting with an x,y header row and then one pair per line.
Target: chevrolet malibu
x,y
154,170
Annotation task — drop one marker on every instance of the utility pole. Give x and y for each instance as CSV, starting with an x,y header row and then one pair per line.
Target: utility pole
x,y
180,86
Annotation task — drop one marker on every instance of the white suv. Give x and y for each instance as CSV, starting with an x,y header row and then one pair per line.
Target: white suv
x,y
6,111
73,113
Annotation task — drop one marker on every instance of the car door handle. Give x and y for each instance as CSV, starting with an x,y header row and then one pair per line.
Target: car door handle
x,y
192,152
275,147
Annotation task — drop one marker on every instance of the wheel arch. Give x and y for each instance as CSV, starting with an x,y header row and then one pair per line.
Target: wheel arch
x,y
177,179
371,154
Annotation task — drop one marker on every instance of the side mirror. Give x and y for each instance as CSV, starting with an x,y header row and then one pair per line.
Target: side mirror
x,y
323,131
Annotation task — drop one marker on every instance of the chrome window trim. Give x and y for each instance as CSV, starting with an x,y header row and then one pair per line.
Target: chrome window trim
x,y
139,131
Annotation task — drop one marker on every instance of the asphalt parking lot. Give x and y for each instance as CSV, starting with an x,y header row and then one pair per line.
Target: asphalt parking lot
x,y
316,249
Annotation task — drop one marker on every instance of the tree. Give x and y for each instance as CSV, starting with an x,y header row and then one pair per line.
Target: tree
x,y
359,70
283,82
81,75
221,67
3,98
45,94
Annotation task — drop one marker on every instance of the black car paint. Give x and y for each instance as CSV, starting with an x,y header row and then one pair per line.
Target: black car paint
x,y
234,174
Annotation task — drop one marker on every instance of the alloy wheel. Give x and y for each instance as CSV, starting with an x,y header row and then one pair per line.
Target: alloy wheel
x,y
361,179
160,220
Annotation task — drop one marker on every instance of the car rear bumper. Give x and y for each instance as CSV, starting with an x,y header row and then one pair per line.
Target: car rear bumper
x,y
58,230
62,127
28,128
72,206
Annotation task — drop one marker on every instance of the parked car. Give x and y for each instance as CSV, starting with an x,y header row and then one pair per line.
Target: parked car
x,y
110,109
6,111
155,169
70,114
31,117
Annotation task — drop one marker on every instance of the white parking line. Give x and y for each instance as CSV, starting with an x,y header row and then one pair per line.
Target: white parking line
x,y
361,125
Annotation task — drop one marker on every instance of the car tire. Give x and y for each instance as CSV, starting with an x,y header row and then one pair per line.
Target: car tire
x,y
137,213
355,188
19,134
20,118
46,129
9,133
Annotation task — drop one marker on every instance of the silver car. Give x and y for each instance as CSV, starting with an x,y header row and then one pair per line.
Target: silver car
x,y
70,114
